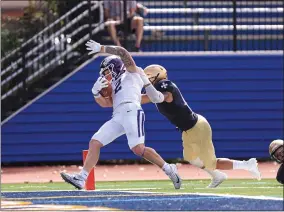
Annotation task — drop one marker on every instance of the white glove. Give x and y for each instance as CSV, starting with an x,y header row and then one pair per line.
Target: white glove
x,y
143,76
93,47
99,85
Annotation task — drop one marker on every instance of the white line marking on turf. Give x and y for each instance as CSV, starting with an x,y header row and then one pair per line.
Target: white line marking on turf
x,y
127,189
142,192
136,199
255,183
234,196
104,189
224,187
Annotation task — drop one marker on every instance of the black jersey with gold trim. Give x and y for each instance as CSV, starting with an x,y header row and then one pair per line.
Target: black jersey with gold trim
x,y
178,112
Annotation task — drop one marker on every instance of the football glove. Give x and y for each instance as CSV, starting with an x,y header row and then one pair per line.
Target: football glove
x,y
93,47
99,85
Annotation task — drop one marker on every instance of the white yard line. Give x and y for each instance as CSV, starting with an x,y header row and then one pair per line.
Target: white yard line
x,y
106,189
233,196
227,187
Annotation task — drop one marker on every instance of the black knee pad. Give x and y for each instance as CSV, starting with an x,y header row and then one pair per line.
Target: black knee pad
x,y
280,174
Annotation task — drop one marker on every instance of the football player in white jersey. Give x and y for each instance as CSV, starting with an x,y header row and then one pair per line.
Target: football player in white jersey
x,y
128,117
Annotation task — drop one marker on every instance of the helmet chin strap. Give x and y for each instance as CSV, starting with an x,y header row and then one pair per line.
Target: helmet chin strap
x,y
156,77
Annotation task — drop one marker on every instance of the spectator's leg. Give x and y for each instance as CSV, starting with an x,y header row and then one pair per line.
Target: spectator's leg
x,y
112,31
137,24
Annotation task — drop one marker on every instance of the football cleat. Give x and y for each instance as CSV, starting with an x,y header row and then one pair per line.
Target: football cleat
x,y
217,179
74,179
253,168
174,176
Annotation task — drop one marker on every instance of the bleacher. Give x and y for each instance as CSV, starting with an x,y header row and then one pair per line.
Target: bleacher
x,y
209,26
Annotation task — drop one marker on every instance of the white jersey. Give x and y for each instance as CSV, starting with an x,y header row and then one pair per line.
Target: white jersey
x,y
127,88
126,118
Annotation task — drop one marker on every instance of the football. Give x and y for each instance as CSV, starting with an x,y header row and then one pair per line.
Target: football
x,y
106,92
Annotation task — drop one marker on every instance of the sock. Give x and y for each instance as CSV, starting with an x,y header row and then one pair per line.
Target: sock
x,y
211,172
240,164
84,174
167,168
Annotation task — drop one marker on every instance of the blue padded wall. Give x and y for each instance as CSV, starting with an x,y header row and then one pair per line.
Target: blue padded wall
x,y
240,95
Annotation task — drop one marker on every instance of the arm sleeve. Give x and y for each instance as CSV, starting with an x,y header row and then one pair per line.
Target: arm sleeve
x,y
154,95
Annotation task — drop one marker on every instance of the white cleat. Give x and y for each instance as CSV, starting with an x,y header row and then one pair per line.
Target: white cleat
x,y
174,176
74,179
253,168
217,179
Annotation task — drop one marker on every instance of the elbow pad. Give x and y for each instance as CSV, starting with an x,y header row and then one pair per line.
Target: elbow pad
x,y
154,95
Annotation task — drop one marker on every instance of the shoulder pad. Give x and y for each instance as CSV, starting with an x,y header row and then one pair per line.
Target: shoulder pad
x,y
164,86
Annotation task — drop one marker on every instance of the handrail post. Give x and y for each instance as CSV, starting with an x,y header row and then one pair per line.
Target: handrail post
x,y
235,25
125,23
90,18
24,73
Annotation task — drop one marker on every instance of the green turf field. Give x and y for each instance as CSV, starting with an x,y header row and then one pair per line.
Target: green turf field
x,y
267,187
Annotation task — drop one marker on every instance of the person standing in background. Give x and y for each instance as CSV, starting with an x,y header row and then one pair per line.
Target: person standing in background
x,y
113,11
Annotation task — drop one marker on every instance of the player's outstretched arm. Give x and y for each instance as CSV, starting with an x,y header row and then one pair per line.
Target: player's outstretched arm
x,y
153,94
168,97
125,56
145,99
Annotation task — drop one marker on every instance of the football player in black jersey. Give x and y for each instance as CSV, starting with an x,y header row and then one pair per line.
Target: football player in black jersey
x,y
198,147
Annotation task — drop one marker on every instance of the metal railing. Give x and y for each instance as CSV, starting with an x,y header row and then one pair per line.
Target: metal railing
x,y
59,43
46,41
230,25
45,30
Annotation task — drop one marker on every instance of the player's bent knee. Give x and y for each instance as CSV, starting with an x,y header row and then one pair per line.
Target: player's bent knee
x,y
95,144
197,162
139,150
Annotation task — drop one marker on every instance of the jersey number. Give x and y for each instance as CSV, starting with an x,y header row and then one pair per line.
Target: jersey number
x,y
117,86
